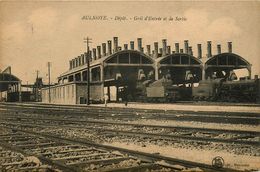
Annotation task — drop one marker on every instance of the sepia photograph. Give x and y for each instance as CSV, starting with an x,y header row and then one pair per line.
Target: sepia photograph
x,y
129,86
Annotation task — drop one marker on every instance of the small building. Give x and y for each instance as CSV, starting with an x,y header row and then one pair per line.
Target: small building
x,y
68,93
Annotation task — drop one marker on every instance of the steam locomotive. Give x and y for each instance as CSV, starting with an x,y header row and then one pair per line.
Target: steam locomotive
x,y
222,89
243,90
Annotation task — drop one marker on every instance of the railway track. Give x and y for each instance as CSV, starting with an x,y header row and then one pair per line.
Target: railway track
x,y
153,131
135,114
28,150
54,125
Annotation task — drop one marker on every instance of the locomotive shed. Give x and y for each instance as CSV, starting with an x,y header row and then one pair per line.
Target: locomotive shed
x,y
158,75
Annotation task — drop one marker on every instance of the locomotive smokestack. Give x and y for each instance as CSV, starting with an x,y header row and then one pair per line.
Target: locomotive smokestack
x,y
181,50
209,49
139,43
104,49
177,47
94,54
125,46
186,46
132,45
148,47
230,47
98,52
115,44
155,49
199,51
173,52
82,59
109,44
219,49
164,48
168,49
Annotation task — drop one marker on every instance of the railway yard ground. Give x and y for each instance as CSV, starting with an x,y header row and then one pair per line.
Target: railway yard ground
x,y
137,137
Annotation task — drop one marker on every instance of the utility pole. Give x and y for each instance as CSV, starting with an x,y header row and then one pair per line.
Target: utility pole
x,y
36,87
49,76
87,41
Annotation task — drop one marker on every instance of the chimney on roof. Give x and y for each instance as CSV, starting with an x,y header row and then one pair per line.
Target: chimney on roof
x,y
186,46
199,51
209,49
79,59
139,43
125,46
104,51
85,56
148,47
156,49
132,45
98,52
219,49
109,44
90,56
115,44
76,62
177,48
230,47
82,59
160,51
164,47
168,49
71,64
94,53
190,50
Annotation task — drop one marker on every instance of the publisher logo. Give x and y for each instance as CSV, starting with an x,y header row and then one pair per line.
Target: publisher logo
x,y
218,162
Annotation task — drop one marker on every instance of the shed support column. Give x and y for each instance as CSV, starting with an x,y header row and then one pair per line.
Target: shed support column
x,y
156,73
203,72
102,73
108,92
117,92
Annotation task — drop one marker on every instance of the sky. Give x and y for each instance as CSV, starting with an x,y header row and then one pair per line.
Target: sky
x,y
34,33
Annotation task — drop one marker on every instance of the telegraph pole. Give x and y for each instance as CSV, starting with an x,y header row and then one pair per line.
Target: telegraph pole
x,y
49,76
36,86
87,41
